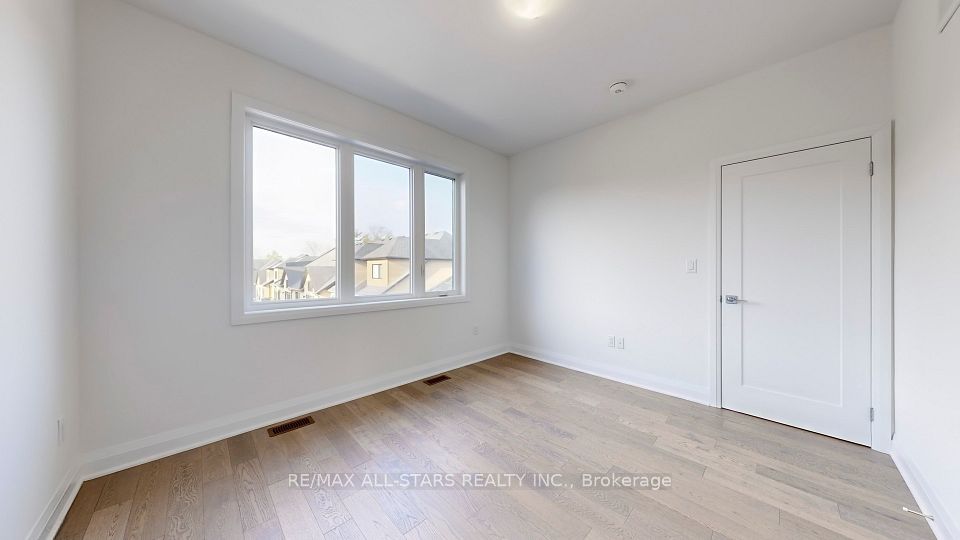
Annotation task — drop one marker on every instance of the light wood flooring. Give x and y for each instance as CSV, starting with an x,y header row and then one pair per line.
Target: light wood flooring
x,y
734,476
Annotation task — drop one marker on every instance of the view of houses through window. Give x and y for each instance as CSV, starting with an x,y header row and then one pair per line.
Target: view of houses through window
x,y
294,223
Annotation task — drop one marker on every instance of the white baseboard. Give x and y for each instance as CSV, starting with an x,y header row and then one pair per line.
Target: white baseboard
x,y
943,525
129,454
56,509
653,383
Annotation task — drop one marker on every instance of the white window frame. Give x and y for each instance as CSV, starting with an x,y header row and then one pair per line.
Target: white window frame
x,y
458,271
248,113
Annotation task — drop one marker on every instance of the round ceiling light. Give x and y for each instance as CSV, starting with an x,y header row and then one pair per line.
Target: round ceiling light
x,y
618,88
528,9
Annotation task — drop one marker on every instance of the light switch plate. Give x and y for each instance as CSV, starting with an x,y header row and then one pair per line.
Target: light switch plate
x,y
692,265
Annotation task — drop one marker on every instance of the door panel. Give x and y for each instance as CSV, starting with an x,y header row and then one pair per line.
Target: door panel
x,y
795,248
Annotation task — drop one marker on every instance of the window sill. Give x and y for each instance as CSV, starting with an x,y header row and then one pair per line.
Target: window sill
x,y
309,312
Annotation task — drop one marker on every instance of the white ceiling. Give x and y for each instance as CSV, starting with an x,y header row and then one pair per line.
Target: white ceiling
x,y
475,69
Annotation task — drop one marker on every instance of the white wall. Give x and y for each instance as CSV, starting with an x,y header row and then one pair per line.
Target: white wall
x,y
38,259
159,351
927,259
602,221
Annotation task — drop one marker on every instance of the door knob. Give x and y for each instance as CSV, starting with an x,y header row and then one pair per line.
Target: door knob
x,y
732,299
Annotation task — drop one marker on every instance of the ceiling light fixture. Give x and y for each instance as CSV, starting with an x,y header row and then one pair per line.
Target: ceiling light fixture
x,y
618,88
528,9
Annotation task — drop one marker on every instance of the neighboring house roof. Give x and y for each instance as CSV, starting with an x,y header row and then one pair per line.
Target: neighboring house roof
x,y
362,250
444,285
402,283
322,277
266,264
327,258
261,268
437,246
296,277
394,248
259,264
300,260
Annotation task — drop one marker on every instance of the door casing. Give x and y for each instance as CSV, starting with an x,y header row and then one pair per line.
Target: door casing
x,y
881,325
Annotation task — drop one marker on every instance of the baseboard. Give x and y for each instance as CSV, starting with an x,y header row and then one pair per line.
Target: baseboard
x,y
943,525
653,383
167,443
49,521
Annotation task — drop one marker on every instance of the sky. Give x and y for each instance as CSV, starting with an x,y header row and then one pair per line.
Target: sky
x,y
294,196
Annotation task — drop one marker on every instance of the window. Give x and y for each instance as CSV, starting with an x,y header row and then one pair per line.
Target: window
x,y
439,197
325,225
381,193
294,217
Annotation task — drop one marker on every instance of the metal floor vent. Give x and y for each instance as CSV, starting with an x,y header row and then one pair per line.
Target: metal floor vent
x,y
434,380
286,427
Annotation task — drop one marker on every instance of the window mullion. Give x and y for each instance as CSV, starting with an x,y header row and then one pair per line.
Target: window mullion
x,y
418,265
345,229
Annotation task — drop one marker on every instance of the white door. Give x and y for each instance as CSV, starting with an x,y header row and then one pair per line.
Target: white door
x,y
795,282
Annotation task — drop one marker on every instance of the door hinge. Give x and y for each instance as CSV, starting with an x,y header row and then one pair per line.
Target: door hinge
x,y
872,414
871,168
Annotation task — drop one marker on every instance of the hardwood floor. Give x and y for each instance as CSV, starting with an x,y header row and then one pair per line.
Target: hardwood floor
x,y
733,476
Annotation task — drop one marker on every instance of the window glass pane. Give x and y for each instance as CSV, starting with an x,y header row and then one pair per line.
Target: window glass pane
x,y
294,218
382,225
438,196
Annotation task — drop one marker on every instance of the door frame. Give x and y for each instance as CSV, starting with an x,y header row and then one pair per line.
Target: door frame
x,y
881,253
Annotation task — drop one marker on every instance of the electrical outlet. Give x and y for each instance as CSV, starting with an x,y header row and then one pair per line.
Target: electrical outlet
x,y
691,266
619,342
476,330
611,341
60,433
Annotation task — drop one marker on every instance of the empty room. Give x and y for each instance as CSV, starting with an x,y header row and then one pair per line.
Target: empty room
x,y
513,269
